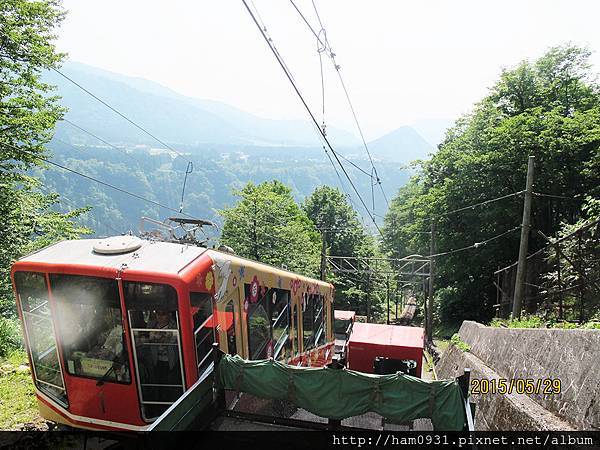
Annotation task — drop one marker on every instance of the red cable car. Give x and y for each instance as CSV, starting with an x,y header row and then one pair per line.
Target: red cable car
x,y
377,348
117,329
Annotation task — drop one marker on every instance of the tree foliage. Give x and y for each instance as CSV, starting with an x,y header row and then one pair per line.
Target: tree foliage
x,y
28,113
267,225
550,109
344,235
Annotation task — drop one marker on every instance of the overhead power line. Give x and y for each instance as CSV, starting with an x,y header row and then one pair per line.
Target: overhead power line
x,y
163,143
325,45
96,180
486,202
539,194
296,89
118,112
95,137
477,244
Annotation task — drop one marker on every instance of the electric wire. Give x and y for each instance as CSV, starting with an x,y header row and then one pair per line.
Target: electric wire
x,y
118,112
98,138
486,202
539,194
325,44
96,180
90,93
476,244
278,57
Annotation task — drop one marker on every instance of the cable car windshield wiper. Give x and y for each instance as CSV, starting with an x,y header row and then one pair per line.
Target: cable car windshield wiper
x,y
104,377
116,360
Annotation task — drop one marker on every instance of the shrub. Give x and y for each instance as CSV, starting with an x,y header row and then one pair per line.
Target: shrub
x,y
458,342
10,336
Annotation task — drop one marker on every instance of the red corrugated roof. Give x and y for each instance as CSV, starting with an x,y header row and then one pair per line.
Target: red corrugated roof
x,y
394,335
344,315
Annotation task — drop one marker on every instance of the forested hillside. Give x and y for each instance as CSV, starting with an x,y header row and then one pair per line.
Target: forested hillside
x,y
550,109
218,171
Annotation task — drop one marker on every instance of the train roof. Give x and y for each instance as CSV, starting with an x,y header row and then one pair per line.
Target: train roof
x,y
344,315
152,256
387,335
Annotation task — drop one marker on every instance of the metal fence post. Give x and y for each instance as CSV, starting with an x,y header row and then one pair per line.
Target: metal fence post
x,y
219,392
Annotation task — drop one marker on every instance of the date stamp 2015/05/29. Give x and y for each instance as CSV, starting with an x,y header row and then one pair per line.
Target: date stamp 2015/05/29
x,y
528,386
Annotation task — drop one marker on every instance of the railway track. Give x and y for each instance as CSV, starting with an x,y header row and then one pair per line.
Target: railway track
x,y
408,312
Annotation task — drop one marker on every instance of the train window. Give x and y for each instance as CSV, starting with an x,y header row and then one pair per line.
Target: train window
x,y
259,333
294,339
39,330
269,325
90,327
280,318
259,326
230,322
204,328
152,310
313,313
319,324
308,314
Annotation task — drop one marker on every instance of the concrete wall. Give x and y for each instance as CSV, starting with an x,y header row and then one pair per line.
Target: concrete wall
x,y
573,356
495,412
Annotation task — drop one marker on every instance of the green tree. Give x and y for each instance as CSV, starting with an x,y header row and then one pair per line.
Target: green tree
x,y
550,109
267,225
28,113
344,235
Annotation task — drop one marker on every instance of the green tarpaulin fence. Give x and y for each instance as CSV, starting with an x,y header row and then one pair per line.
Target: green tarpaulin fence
x,y
340,393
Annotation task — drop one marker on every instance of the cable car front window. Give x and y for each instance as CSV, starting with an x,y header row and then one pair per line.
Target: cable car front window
x,y
39,330
91,328
154,322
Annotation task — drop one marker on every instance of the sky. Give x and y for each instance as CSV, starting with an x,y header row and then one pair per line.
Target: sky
x,y
402,62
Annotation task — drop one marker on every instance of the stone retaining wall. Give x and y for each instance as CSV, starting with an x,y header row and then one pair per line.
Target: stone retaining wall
x,y
573,356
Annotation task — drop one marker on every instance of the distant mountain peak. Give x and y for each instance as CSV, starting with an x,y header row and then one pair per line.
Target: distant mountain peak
x,y
404,144
174,117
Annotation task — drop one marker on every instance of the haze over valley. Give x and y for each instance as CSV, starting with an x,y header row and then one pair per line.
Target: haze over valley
x,y
227,146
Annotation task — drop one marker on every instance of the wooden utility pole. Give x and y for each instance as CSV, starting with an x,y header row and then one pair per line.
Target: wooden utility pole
x,y
387,284
429,320
397,295
524,245
368,296
323,255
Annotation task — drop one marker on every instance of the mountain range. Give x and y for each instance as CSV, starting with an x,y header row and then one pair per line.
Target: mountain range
x,y
181,120
227,146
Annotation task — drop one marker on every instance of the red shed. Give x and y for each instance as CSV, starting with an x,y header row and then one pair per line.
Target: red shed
x,y
369,341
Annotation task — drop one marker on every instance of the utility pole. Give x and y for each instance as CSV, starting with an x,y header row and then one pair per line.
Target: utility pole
x,y
368,295
323,255
396,298
523,247
429,320
387,284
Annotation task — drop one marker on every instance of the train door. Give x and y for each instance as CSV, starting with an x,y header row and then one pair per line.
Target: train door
x,y
155,335
227,325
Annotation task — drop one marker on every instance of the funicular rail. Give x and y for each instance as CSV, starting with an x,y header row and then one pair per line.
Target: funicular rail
x,y
408,312
396,397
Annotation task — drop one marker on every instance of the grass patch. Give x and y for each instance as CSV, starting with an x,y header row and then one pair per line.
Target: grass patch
x,y
445,331
17,396
534,321
10,336
458,342
441,344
